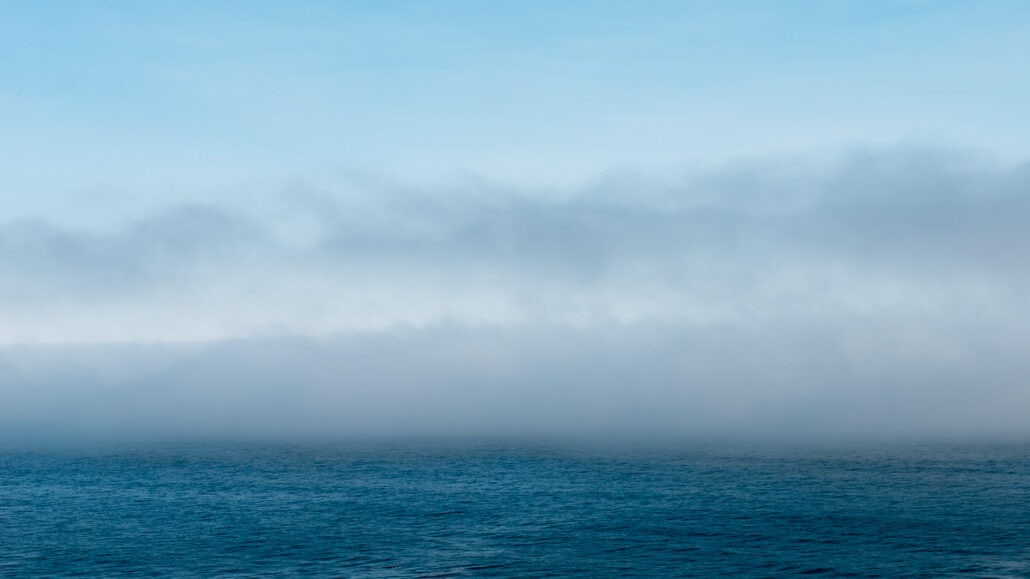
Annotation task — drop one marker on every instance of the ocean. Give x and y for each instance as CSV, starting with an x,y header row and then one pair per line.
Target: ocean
x,y
488,508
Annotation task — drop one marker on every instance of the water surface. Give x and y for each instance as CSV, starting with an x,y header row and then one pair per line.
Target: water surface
x,y
504,509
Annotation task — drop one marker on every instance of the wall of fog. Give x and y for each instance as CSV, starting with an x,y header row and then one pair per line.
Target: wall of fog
x,y
878,294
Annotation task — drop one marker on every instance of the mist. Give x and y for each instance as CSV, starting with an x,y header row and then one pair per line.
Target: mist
x,y
878,294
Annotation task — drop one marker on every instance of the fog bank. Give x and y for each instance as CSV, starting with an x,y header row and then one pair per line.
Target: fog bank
x,y
880,294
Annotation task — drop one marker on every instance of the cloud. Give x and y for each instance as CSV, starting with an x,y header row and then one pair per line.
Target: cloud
x,y
894,230
877,294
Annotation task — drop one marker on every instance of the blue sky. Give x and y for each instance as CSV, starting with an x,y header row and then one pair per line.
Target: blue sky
x,y
658,218
148,97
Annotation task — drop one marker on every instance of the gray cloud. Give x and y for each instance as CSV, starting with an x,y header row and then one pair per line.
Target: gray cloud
x,y
878,294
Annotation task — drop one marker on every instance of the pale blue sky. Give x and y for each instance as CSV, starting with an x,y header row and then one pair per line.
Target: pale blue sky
x,y
156,98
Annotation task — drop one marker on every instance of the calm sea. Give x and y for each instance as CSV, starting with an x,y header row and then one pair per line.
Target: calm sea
x,y
492,509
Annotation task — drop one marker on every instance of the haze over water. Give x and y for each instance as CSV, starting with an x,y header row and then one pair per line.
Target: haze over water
x,y
607,288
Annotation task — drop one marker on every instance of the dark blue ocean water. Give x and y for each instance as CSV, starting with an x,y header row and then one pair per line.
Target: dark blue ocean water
x,y
493,509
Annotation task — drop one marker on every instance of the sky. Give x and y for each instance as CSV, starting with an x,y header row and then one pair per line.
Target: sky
x,y
790,220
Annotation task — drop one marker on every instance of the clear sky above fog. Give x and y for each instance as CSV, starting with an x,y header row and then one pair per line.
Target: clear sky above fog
x,y
276,219
150,97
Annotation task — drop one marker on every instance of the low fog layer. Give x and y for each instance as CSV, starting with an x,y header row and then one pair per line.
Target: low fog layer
x,y
879,295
